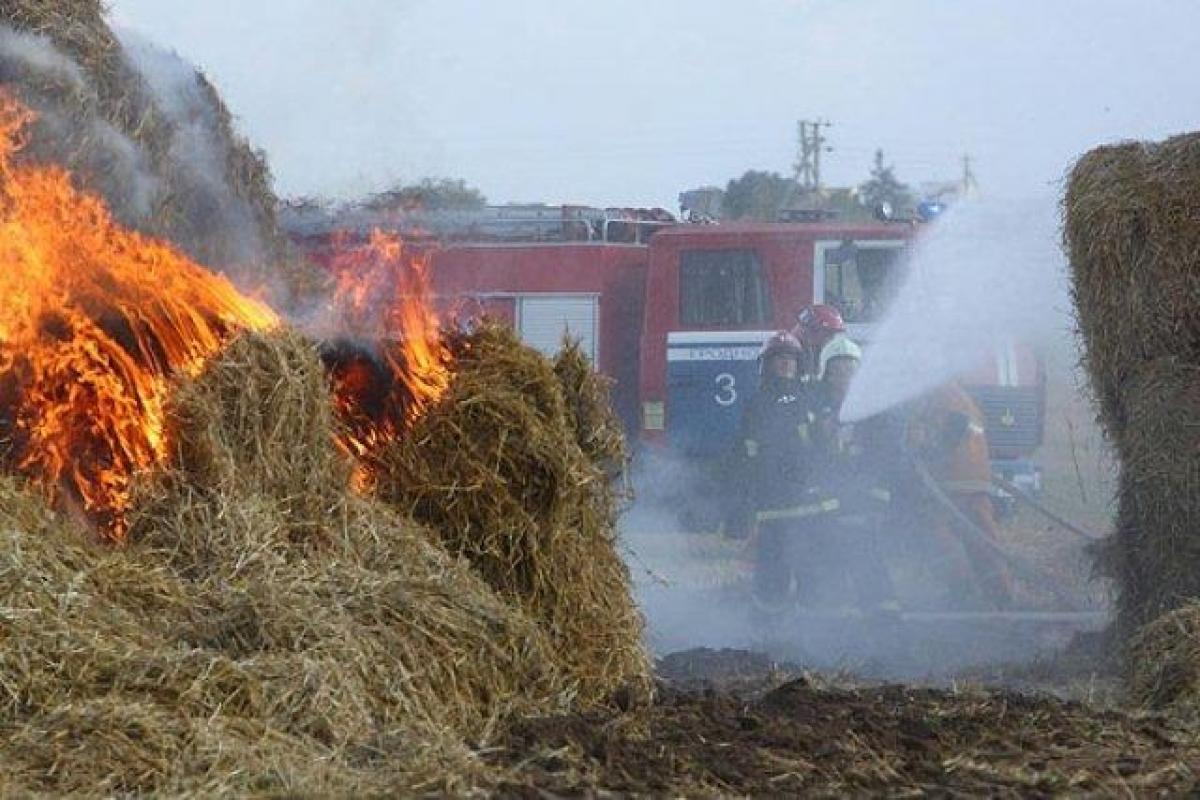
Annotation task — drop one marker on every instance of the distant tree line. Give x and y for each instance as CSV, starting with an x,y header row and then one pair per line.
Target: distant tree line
x,y
755,195
428,194
765,196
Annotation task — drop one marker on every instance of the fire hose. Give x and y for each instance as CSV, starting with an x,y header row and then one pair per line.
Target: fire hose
x,y
1021,495
978,538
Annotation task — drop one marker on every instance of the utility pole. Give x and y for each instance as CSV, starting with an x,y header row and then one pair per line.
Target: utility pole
x,y
969,185
808,160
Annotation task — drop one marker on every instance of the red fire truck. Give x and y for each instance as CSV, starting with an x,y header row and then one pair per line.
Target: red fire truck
x,y
676,313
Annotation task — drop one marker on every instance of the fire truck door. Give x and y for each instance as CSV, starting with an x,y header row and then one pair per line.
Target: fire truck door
x,y
710,375
543,320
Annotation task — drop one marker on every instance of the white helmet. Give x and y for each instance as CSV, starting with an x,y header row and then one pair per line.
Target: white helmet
x,y
840,346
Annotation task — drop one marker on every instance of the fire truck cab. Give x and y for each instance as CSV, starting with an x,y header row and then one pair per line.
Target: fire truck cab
x,y
715,293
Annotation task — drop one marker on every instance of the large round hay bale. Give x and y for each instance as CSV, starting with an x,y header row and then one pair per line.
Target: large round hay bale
x,y
1134,246
1155,553
504,472
1133,240
260,420
1163,662
248,641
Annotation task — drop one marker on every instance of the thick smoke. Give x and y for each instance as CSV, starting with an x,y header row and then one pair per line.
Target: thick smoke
x,y
148,133
71,130
685,584
198,151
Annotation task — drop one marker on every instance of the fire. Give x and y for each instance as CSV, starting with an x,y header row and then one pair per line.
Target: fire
x,y
95,320
394,363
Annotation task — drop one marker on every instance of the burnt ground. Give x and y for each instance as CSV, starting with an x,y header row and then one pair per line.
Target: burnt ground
x,y
734,723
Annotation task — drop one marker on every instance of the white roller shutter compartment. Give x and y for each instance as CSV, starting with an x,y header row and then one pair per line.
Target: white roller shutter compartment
x,y
543,320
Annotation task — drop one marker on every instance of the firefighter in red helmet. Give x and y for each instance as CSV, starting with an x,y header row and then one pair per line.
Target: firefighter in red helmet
x,y
778,454
816,326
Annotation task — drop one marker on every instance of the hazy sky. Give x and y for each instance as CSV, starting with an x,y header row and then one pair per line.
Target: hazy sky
x,y
630,101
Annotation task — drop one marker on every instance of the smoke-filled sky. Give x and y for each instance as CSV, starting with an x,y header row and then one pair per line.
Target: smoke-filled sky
x,y
628,102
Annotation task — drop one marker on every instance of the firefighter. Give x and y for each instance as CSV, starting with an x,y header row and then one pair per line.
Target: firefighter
x,y
816,325
856,472
946,439
777,461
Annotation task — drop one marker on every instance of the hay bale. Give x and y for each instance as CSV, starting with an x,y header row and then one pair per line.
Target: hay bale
x,y
598,430
1134,246
258,509
1163,663
260,422
506,475
248,640
1154,553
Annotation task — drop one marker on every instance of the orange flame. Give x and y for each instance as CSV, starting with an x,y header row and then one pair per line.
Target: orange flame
x,y
94,320
403,365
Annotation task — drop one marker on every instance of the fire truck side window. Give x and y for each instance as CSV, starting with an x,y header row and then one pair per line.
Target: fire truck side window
x,y
862,286
722,287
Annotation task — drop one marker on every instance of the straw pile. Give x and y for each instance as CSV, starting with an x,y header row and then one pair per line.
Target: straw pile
x,y
265,631
598,431
1163,667
163,153
512,469
1131,232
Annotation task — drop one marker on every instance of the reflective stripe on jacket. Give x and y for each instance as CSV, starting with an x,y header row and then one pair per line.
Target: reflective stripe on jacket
x,y
826,506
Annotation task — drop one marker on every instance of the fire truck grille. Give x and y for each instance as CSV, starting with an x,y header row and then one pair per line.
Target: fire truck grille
x,y
1012,416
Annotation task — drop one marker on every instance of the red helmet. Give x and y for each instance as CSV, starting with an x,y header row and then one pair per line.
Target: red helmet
x,y
782,342
819,322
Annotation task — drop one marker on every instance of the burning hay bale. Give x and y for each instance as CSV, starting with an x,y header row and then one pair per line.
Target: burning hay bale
x,y
149,133
505,470
258,509
264,631
95,321
1163,665
1131,231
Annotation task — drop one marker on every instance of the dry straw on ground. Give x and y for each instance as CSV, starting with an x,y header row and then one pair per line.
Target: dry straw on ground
x,y
1163,665
513,470
1132,231
265,630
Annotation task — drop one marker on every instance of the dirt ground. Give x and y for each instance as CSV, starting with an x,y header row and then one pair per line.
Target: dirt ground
x,y
731,722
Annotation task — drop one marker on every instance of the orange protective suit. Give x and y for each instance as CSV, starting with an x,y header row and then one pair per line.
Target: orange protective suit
x,y
945,430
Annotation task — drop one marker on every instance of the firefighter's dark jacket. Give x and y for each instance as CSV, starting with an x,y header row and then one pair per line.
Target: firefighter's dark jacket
x,y
861,464
778,450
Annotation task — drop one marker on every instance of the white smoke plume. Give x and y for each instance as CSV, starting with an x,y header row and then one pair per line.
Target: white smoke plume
x,y
987,272
197,149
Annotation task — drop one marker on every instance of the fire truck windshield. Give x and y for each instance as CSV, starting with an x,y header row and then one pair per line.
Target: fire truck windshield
x,y
722,288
